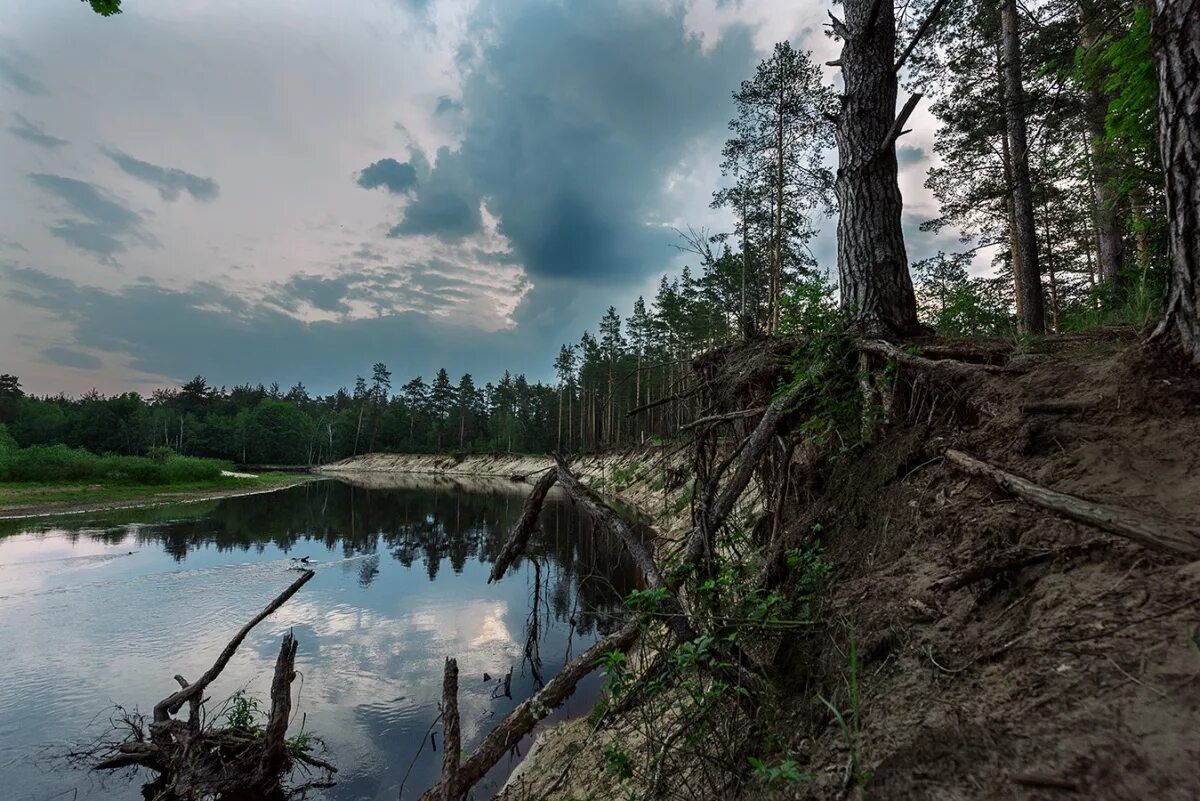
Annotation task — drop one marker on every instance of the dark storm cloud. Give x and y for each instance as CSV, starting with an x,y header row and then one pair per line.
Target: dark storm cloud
x,y
12,73
575,113
326,294
103,225
31,131
394,176
203,329
909,154
72,358
169,181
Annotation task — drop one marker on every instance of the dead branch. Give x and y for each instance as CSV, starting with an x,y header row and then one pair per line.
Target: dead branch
x,y
451,739
948,367
720,418
993,569
1157,535
521,720
524,527
171,704
677,396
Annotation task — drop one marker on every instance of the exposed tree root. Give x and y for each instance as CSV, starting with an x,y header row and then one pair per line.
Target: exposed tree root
x,y
1158,535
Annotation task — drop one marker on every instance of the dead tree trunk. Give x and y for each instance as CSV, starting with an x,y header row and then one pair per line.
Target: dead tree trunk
x,y
872,263
1033,319
1176,30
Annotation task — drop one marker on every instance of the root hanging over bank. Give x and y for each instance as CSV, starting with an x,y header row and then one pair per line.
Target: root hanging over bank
x,y
198,758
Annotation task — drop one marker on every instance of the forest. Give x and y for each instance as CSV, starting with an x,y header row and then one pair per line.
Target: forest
x,y
1050,149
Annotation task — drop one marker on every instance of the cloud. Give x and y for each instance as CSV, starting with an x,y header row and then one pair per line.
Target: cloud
x,y
575,167
394,176
180,332
169,181
16,77
72,358
447,105
104,225
33,132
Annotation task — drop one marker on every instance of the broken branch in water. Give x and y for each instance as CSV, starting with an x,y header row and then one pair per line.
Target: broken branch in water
x,y
1158,535
524,527
171,704
521,720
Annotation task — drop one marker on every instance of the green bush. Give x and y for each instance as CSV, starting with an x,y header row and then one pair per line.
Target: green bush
x,y
59,463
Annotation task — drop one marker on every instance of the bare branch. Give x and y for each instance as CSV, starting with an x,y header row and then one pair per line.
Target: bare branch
x,y
523,529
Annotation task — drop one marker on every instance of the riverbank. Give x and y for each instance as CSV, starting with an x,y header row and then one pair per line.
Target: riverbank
x,y
42,500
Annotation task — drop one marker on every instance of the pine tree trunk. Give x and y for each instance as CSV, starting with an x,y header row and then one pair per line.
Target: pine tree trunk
x,y
1014,253
777,268
872,263
1033,318
1176,30
1109,228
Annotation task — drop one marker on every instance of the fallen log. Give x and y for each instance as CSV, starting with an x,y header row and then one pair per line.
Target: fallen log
x,y
1158,535
521,720
524,527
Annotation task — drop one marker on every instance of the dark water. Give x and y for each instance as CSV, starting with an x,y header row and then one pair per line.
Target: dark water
x,y
105,610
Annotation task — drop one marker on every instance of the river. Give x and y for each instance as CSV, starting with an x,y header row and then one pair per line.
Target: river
x,y
100,610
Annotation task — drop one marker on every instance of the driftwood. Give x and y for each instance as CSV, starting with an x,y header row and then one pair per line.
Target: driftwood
x,y
521,720
194,761
949,367
1158,535
451,737
524,527
993,569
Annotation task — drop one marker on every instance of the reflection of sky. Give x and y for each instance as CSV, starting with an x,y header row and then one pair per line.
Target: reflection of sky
x,y
86,623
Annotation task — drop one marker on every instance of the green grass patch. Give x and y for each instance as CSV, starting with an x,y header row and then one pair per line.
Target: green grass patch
x,y
55,464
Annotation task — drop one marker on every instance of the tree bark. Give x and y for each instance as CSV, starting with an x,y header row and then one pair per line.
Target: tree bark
x,y
1176,31
1109,228
1033,315
872,263
525,526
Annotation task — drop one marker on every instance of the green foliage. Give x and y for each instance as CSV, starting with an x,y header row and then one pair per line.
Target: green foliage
x,y
850,724
105,8
243,713
779,775
7,443
59,463
954,304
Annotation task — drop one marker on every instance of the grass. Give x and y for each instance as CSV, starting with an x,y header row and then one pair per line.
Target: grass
x,y
34,497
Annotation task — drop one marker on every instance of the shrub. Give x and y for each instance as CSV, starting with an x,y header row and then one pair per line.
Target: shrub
x,y
59,463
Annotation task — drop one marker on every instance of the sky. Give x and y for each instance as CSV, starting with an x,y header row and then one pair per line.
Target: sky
x,y
292,190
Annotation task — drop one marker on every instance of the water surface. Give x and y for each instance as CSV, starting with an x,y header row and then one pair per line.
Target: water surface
x,y
99,610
